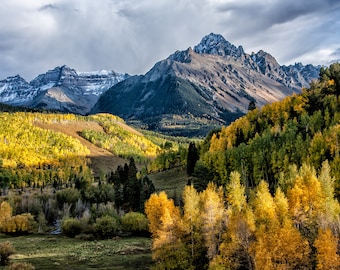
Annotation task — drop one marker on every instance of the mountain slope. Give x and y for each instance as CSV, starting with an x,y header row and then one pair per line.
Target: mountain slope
x,y
193,91
265,143
61,89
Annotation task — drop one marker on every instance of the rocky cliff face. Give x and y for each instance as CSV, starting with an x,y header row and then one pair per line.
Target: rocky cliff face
x,y
15,91
62,89
199,88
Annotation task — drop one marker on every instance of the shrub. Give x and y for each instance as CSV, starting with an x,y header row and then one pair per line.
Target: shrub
x,y
71,227
68,196
106,227
6,250
135,222
21,266
101,210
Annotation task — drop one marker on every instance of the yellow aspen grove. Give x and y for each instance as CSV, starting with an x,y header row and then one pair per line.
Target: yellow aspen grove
x,y
234,252
281,207
278,244
326,245
330,208
164,219
234,249
280,248
213,218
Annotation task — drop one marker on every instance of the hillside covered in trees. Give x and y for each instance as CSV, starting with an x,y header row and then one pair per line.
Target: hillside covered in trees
x,y
36,148
268,143
265,191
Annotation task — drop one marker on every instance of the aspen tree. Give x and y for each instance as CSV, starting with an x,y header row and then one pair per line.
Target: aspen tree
x,y
191,217
213,218
164,219
234,249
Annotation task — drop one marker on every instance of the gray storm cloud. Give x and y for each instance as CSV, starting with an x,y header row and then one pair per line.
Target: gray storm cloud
x,y
131,35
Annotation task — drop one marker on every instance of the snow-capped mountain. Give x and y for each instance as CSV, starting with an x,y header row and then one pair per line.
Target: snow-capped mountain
x,y
61,89
15,91
192,90
209,85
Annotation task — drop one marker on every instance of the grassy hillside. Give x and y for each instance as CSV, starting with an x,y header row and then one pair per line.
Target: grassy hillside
x,y
54,252
39,148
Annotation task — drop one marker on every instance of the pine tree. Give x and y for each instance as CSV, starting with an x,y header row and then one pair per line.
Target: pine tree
x,y
192,158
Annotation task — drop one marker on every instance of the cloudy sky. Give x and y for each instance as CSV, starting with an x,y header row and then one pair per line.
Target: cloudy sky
x,y
132,35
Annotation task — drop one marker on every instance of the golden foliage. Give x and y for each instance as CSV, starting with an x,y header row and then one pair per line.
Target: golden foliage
x,y
14,224
23,144
326,245
164,218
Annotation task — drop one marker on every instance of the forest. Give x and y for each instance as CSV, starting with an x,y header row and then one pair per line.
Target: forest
x,y
47,180
264,192
261,193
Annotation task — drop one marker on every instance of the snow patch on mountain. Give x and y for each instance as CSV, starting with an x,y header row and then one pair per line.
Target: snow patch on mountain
x,y
75,85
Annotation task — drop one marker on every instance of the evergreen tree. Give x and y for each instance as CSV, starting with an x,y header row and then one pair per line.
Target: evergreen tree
x,y
132,187
251,105
192,158
147,188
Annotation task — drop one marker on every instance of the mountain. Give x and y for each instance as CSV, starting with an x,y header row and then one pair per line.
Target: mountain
x,y
197,89
62,89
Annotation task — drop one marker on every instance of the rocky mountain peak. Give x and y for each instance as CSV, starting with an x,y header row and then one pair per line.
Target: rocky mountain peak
x,y
182,56
266,62
217,45
16,78
55,77
79,91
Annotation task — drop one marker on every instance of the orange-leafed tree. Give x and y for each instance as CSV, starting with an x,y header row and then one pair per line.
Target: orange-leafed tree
x,y
326,246
164,218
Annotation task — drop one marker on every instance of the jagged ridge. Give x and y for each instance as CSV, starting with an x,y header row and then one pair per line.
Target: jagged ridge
x,y
210,85
62,89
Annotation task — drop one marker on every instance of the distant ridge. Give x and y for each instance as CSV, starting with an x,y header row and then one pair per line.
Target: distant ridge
x,y
197,89
62,89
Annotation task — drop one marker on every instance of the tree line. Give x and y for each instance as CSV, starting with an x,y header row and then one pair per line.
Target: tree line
x,y
226,228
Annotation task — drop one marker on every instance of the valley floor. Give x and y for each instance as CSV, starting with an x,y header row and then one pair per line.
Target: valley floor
x,y
58,252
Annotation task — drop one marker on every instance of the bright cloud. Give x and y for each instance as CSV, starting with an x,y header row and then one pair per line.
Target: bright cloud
x,y
132,35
